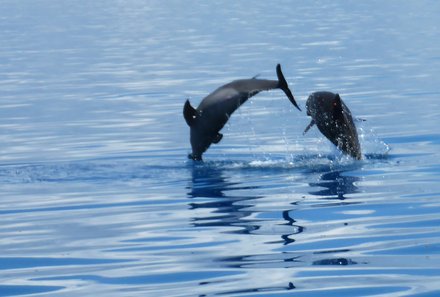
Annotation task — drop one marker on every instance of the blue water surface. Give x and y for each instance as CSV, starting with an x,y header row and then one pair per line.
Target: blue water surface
x,y
98,198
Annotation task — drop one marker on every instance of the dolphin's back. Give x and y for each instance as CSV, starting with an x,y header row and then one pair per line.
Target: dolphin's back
x,y
350,141
253,86
228,98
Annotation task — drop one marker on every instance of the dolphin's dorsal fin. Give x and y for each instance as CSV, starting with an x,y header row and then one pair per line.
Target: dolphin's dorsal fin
x,y
189,113
337,108
312,122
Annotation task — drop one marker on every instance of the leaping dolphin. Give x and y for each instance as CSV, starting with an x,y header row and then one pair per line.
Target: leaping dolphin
x,y
211,115
334,120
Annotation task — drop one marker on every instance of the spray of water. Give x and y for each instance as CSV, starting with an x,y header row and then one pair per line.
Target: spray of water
x,y
372,146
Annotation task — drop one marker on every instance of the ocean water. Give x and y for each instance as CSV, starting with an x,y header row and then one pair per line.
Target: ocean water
x,y
98,198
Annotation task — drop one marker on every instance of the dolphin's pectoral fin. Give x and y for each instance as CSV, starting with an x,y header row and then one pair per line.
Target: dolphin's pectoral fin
x,y
338,113
312,122
217,138
189,113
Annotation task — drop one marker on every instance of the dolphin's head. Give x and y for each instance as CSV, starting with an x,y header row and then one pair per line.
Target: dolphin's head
x,y
200,142
321,105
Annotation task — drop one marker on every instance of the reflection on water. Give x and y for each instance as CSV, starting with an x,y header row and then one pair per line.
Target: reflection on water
x,y
227,209
290,221
230,203
335,184
212,188
208,181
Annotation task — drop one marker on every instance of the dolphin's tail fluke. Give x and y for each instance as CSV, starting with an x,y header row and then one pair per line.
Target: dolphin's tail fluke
x,y
282,84
189,113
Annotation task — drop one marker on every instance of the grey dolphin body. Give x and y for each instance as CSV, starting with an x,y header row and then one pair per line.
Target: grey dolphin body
x,y
211,115
334,120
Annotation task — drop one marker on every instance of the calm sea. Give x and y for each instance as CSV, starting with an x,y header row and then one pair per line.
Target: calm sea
x,y
98,198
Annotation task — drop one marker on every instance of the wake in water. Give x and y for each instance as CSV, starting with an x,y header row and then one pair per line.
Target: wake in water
x,y
323,156
127,168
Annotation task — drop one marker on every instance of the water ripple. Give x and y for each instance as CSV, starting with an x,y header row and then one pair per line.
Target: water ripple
x,y
98,197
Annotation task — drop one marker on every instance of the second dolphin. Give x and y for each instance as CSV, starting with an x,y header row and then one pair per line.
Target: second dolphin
x,y
334,120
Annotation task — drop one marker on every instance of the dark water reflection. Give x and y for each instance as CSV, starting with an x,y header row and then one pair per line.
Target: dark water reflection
x,y
335,185
228,209
212,187
218,190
